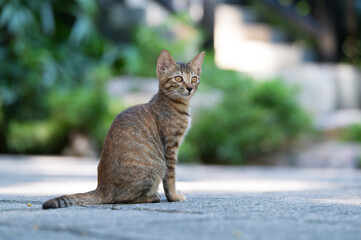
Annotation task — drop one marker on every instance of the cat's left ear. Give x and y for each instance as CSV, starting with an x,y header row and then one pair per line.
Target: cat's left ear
x,y
197,61
165,62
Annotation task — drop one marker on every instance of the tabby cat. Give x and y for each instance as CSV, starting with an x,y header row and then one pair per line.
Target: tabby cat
x,y
140,149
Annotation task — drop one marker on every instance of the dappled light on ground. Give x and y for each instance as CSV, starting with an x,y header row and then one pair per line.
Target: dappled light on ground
x,y
39,176
64,185
250,185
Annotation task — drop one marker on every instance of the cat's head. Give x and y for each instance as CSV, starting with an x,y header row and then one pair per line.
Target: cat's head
x,y
178,80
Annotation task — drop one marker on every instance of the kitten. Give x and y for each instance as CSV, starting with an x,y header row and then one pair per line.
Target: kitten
x,y
140,149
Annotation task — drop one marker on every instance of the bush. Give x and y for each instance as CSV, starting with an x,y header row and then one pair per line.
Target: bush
x,y
54,66
36,137
352,133
251,119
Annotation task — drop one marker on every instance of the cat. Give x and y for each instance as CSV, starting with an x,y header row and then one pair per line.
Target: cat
x,y
140,149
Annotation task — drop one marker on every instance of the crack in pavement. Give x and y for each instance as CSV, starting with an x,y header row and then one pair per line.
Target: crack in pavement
x,y
21,201
164,210
118,208
22,210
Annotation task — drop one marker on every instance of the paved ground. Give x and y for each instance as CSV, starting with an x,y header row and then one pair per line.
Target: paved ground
x,y
223,203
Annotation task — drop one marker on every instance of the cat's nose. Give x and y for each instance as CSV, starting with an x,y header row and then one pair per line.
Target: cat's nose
x,y
189,89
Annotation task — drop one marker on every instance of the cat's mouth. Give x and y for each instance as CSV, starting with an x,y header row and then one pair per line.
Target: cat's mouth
x,y
187,94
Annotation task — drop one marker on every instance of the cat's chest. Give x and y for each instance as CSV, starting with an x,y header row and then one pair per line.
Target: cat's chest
x,y
175,130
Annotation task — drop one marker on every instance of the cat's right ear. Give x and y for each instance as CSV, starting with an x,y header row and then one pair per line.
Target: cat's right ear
x,y
165,62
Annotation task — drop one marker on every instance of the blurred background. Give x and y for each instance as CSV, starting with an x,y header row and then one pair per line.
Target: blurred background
x,y
280,82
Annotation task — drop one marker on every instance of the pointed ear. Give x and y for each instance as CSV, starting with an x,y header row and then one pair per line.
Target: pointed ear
x,y
197,61
165,62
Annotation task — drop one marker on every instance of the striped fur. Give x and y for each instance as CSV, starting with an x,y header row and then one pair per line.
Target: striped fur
x,y
141,146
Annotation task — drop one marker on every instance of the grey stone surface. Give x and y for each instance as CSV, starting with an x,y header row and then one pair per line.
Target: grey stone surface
x,y
223,203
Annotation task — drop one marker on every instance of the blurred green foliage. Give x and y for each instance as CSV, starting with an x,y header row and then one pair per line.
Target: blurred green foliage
x,y
54,66
177,34
352,133
35,136
250,119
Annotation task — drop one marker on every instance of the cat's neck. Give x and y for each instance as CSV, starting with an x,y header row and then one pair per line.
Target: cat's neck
x,y
162,99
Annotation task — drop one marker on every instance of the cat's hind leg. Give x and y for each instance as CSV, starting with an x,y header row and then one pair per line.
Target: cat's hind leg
x,y
141,197
149,195
146,194
155,198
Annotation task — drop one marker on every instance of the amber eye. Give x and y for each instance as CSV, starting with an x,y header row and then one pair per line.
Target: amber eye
x,y
178,79
194,79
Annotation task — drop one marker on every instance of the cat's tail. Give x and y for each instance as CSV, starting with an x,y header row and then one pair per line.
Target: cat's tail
x,y
88,198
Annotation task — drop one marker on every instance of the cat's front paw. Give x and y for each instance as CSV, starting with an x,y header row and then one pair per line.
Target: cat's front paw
x,y
178,197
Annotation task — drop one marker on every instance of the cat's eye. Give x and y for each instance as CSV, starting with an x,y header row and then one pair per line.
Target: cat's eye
x,y
178,79
194,79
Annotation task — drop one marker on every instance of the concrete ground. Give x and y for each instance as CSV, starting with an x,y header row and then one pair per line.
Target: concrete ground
x,y
223,203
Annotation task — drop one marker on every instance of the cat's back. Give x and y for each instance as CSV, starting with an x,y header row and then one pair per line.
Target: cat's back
x,y
138,115
131,125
